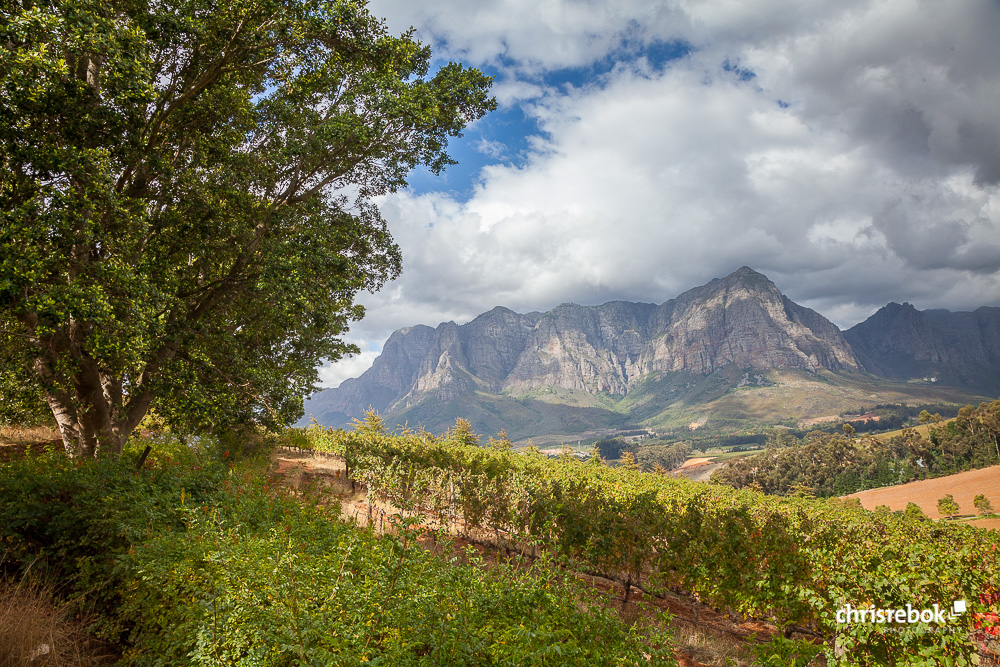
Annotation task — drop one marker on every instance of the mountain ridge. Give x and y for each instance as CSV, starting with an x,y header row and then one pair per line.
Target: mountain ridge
x,y
955,348
592,357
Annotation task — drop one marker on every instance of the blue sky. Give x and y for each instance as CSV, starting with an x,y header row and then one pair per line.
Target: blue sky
x,y
850,151
502,137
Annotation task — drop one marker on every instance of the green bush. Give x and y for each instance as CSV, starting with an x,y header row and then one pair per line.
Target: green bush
x,y
300,588
70,521
193,560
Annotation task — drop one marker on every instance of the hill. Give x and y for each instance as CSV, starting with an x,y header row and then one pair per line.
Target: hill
x,y
964,486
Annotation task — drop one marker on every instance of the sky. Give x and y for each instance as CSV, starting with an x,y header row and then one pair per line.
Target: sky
x,y
849,150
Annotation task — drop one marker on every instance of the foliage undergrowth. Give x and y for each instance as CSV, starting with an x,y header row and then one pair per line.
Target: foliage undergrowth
x,y
196,559
797,561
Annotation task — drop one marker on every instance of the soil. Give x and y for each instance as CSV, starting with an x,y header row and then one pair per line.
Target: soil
x,y
964,486
694,463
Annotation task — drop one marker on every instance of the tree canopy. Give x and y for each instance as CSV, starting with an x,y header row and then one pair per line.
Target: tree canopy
x,y
186,199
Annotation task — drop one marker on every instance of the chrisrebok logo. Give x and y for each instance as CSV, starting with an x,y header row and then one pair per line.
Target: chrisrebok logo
x,y
849,614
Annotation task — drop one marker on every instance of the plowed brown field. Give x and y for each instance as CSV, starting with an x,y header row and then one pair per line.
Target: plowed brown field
x,y
964,486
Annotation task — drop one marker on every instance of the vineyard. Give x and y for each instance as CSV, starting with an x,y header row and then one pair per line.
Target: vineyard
x,y
794,561
194,558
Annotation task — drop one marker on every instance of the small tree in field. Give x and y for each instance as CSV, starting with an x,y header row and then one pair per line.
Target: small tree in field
x,y
947,506
913,511
983,504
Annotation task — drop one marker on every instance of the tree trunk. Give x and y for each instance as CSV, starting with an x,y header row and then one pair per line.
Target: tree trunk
x,y
75,441
88,401
91,417
86,428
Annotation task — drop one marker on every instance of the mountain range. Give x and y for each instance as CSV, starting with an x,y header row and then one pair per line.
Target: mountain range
x,y
731,352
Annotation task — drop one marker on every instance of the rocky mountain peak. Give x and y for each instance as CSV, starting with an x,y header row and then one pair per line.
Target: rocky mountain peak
x,y
745,320
961,349
743,278
741,320
748,276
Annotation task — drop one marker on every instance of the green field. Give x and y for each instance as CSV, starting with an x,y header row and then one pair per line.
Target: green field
x,y
726,456
923,429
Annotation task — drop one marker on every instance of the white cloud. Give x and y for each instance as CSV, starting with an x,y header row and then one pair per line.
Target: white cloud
x,y
874,180
510,91
493,149
331,375
530,35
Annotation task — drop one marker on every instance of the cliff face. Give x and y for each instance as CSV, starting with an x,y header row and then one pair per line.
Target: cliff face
x,y
591,349
740,320
744,320
902,342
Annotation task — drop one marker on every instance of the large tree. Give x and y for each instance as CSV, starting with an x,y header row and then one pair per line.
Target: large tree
x,y
186,194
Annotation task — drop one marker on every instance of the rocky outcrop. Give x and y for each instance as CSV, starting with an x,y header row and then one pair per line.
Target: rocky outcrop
x,y
591,349
744,320
740,320
493,343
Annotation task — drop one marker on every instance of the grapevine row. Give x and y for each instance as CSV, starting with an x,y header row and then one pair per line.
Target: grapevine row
x,y
794,560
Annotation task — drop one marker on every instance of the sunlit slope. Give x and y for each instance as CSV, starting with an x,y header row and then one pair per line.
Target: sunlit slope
x,y
727,400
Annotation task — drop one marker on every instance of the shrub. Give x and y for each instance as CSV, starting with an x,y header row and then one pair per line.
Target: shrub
x,y
70,521
300,588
